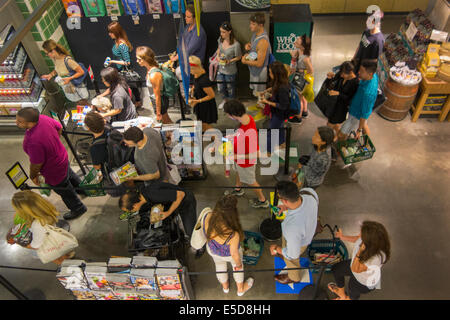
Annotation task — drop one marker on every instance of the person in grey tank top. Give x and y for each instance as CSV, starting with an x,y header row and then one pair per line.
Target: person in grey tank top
x,y
257,56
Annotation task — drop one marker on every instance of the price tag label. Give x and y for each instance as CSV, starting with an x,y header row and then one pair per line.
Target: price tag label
x,y
114,18
156,16
176,15
66,118
94,19
411,32
440,36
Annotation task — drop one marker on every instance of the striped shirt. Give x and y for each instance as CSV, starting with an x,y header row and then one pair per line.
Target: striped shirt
x,y
121,52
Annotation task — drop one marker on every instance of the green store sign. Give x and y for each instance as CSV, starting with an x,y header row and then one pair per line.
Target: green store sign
x,y
284,36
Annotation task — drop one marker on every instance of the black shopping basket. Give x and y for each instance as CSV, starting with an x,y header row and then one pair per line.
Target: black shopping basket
x,y
329,248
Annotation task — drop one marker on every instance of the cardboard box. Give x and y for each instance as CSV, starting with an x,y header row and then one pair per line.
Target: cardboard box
x,y
433,48
432,60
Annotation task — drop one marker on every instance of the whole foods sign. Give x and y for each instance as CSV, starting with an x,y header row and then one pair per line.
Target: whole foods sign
x,y
285,44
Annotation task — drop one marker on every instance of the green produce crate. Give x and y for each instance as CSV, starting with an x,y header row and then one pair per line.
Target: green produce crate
x,y
362,153
89,186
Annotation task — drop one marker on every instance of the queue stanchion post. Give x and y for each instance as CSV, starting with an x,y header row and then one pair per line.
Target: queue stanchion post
x,y
285,173
13,290
69,143
270,228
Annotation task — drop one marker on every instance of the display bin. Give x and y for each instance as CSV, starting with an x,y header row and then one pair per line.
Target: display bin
x,y
248,260
169,226
94,189
361,154
326,246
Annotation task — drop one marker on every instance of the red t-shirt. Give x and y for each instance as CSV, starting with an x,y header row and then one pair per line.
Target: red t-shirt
x,y
246,142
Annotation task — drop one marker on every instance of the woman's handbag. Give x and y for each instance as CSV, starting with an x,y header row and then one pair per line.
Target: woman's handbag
x,y
198,238
324,101
174,174
130,75
57,243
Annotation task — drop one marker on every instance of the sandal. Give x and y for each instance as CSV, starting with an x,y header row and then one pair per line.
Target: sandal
x,y
250,281
333,287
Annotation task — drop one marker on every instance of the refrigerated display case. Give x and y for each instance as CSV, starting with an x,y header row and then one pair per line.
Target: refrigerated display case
x,y
20,84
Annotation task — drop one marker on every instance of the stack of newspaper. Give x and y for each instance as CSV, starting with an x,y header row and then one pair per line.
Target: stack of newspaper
x,y
169,282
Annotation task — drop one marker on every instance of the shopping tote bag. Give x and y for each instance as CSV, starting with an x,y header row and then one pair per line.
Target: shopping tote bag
x,y
57,243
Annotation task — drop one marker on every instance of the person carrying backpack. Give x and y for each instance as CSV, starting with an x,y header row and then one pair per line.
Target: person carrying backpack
x,y
70,75
159,82
279,102
108,151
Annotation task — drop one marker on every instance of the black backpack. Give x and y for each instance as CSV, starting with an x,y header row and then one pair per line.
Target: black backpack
x,y
118,152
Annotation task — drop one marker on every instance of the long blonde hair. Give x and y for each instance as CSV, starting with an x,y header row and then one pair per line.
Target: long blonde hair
x,y
31,206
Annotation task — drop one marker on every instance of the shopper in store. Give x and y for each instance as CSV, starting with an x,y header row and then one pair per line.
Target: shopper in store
x,y
257,56
228,53
121,56
120,95
35,212
298,228
149,157
174,199
154,80
245,142
49,159
372,249
345,85
224,234
195,44
67,70
279,103
98,150
361,106
300,65
372,41
203,101
316,165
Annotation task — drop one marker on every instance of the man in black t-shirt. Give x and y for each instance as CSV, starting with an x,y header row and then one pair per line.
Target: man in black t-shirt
x,y
372,42
172,197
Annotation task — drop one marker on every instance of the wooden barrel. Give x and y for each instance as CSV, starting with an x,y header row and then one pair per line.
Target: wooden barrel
x,y
399,99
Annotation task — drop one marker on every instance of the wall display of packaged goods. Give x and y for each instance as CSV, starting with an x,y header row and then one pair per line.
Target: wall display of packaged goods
x,y
20,85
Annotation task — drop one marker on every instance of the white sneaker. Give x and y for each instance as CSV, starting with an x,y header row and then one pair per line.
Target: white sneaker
x,y
221,105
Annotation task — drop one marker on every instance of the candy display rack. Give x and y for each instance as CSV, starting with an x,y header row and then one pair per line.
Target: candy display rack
x,y
20,85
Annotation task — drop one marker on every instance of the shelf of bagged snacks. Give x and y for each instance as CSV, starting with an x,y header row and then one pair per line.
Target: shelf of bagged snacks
x,y
124,278
9,109
398,48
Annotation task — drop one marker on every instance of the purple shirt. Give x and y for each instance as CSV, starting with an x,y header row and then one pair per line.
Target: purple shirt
x,y
43,146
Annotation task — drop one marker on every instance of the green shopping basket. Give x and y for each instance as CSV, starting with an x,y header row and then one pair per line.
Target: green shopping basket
x,y
361,152
90,186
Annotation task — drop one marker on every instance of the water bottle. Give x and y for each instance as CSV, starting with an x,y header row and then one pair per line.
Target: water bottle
x,y
107,62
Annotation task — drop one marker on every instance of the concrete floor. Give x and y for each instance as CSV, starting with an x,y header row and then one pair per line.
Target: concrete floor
x,y
405,186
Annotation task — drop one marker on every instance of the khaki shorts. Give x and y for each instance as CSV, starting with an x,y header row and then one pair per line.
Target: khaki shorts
x,y
262,77
246,175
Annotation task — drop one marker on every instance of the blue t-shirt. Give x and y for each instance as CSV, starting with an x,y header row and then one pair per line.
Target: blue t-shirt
x,y
364,98
195,45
